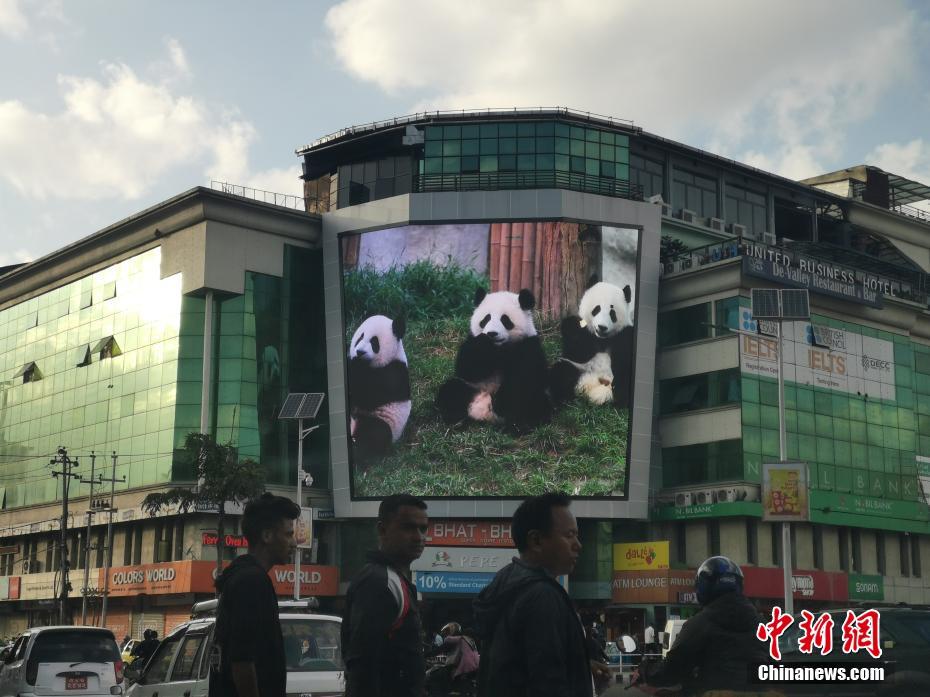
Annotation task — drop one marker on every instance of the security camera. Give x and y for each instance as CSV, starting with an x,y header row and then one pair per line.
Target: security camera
x,y
307,479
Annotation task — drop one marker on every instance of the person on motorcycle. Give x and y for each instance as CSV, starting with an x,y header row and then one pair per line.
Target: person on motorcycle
x,y
461,659
717,647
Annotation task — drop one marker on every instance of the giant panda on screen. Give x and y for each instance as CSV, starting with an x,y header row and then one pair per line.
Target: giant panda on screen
x,y
379,386
597,348
500,370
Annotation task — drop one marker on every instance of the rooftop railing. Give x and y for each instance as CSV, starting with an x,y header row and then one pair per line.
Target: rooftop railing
x,y
470,113
858,189
299,203
493,181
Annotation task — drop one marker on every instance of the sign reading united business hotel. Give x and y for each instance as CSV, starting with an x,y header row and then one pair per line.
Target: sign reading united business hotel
x,y
822,276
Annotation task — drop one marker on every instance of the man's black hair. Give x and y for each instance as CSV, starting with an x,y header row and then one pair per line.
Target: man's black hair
x,y
393,503
535,513
267,511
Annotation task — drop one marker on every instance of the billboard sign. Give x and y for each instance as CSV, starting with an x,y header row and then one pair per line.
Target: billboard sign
x,y
303,528
834,359
785,492
451,582
469,533
484,358
469,559
641,555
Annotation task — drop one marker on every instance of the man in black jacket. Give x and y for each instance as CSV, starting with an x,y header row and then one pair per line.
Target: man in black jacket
x,y
716,648
248,631
532,640
381,641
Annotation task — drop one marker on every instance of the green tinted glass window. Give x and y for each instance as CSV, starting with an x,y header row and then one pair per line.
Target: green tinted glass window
x,y
451,148
507,130
450,165
489,163
507,162
470,131
507,146
469,147
562,146
526,162
489,130
451,132
545,128
526,146
488,146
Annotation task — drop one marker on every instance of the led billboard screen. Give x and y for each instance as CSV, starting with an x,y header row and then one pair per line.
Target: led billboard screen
x,y
489,360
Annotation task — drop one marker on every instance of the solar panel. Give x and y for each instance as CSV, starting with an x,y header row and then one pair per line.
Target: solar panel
x,y
311,405
765,303
795,304
291,405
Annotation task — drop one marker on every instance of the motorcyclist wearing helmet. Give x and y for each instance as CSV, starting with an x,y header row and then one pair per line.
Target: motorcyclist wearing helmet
x,y
461,660
718,646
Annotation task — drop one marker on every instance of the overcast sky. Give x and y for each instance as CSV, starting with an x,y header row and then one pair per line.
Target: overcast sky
x,y
109,107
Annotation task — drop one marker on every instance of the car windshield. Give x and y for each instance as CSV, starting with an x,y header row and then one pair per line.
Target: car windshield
x,y
311,644
919,624
70,646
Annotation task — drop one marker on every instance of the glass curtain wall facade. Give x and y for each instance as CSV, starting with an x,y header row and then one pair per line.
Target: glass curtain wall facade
x,y
114,362
90,366
853,444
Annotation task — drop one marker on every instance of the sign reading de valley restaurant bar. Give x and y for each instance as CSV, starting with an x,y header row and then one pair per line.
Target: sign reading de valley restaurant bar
x,y
821,276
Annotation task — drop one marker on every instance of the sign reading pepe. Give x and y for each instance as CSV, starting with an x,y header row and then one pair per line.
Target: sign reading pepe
x,y
640,556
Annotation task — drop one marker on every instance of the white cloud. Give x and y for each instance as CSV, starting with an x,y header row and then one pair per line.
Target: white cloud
x,y
911,160
116,136
283,180
782,80
17,256
13,21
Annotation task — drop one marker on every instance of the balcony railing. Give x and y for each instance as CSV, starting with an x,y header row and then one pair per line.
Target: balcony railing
x,y
493,181
858,190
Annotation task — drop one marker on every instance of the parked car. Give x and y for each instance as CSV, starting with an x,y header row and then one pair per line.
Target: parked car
x,y
126,650
180,667
904,636
50,661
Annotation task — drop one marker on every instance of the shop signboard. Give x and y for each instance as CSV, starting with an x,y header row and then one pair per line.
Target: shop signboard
x,y
835,508
314,580
451,582
759,582
210,539
38,586
785,492
635,556
656,587
835,359
866,587
468,559
469,533
303,529
14,587
198,577
4,587
708,510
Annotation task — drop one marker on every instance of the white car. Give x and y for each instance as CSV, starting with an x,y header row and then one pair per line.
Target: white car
x,y
80,661
180,667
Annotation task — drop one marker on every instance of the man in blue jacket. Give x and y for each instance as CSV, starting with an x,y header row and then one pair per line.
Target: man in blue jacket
x,y
533,642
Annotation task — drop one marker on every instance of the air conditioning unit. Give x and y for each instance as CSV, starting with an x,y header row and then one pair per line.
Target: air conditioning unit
x,y
770,238
703,497
669,267
31,566
687,216
667,210
737,229
715,224
683,498
655,198
727,495
750,493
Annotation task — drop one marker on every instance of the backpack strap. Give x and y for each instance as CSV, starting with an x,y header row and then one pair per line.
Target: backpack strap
x,y
401,594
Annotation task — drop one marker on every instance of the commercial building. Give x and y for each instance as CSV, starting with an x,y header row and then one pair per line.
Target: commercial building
x,y
102,347
854,380
103,343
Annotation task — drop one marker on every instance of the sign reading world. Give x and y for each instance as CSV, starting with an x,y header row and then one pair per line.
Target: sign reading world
x,y
835,359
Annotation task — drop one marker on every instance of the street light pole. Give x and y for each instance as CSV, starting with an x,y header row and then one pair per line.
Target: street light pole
x,y
782,456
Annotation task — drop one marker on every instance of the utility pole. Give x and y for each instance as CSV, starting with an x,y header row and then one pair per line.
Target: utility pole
x,y
108,550
66,474
90,515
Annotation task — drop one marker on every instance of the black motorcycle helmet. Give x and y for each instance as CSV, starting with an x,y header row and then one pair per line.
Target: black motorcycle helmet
x,y
716,576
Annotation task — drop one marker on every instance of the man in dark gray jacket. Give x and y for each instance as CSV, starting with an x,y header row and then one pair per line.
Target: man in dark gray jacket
x,y
532,640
